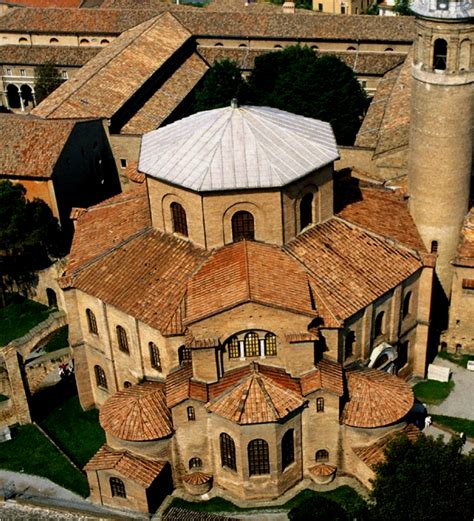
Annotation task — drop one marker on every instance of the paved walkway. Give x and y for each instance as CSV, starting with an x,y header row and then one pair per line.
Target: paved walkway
x,y
434,431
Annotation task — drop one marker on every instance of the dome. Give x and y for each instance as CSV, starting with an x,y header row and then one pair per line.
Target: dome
x,y
443,9
237,148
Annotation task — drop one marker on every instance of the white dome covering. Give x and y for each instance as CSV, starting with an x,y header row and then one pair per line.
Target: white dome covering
x,y
237,148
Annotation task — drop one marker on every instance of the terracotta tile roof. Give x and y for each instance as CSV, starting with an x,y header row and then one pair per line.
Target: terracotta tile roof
x,y
47,3
177,385
379,210
76,213
327,375
304,336
257,399
138,413
465,254
376,398
123,67
33,146
248,271
137,468
181,514
133,174
323,469
168,97
60,55
197,478
375,452
351,267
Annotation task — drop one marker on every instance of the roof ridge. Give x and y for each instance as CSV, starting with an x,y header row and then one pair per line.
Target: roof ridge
x,y
260,381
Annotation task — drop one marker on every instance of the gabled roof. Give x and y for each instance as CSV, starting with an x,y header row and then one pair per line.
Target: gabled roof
x,y
237,148
31,147
137,468
60,55
327,375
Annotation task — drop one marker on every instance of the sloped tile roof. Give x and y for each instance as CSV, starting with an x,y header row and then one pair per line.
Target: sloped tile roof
x,y
182,514
33,146
177,385
60,55
323,469
137,468
47,3
110,79
327,375
465,254
138,413
376,398
248,271
197,478
257,399
131,171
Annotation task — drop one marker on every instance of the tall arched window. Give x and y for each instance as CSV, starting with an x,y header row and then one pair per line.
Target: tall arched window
x,y
322,455
184,355
406,308
434,246
243,226
251,344
320,404
52,298
440,54
233,347
227,451
122,339
154,356
117,487
100,378
306,210
287,449
195,463
178,217
91,322
259,459
379,324
270,345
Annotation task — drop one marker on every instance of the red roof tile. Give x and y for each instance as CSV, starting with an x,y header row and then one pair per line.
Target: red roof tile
x,y
197,478
465,255
323,469
177,385
133,174
327,375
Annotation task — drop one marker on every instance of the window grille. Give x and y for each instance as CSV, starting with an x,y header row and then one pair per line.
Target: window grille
x,y
117,487
233,347
319,404
195,463
100,377
191,414
243,226
155,356
322,455
259,461
178,216
251,345
122,339
91,322
227,451
270,345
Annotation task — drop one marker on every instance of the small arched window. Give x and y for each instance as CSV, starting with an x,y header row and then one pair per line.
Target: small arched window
x,y
388,49
406,308
306,210
434,246
117,488
195,463
379,324
104,42
91,322
184,355
351,48
178,217
349,342
322,455
270,345
233,347
53,41
22,40
122,339
100,378
127,384
243,45
243,226
52,298
259,458
191,414
287,449
154,356
251,344
84,41
227,446
315,47
218,44
277,47
319,404
440,54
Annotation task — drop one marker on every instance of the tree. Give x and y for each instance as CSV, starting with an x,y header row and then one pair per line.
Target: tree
x,y
47,79
425,480
318,508
321,87
402,7
222,83
29,235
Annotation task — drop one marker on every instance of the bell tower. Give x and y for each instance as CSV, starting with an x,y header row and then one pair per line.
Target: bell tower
x,y
440,158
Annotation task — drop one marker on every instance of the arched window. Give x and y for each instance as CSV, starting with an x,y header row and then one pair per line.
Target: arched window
x,y
440,54
178,216
27,95
349,342
259,460
243,226
195,463
191,414
381,361
306,210
406,308
233,347
122,339
218,44
351,48
434,246
379,324
154,356
117,487
104,42
23,40
243,45
402,358
91,322
84,41
227,451
251,344
127,384
53,41
287,449
184,355
322,455
388,49
13,96
270,345
320,404
52,298
100,378
314,47
277,47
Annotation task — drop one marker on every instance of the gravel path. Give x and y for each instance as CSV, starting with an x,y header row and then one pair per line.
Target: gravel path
x,y
434,431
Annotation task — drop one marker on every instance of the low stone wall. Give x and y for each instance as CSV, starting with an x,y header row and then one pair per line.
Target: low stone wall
x,y
39,368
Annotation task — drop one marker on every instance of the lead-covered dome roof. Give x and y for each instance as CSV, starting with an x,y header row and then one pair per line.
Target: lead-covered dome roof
x,y
237,148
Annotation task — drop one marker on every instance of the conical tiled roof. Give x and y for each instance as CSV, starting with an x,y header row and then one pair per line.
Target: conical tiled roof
x,y
256,399
139,413
237,148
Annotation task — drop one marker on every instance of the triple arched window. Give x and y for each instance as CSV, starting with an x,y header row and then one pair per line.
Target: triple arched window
x,y
227,451
91,322
287,449
259,458
252,345
243,226
178,218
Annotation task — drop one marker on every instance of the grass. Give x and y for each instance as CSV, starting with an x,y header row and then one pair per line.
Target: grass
x,y
19,316
31,452
433,392
58,340
461,360
347,497
456,424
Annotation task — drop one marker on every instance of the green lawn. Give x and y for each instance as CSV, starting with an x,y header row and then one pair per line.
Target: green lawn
x,y
19,316
432,392
30,452
461,360
456,424
58,340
